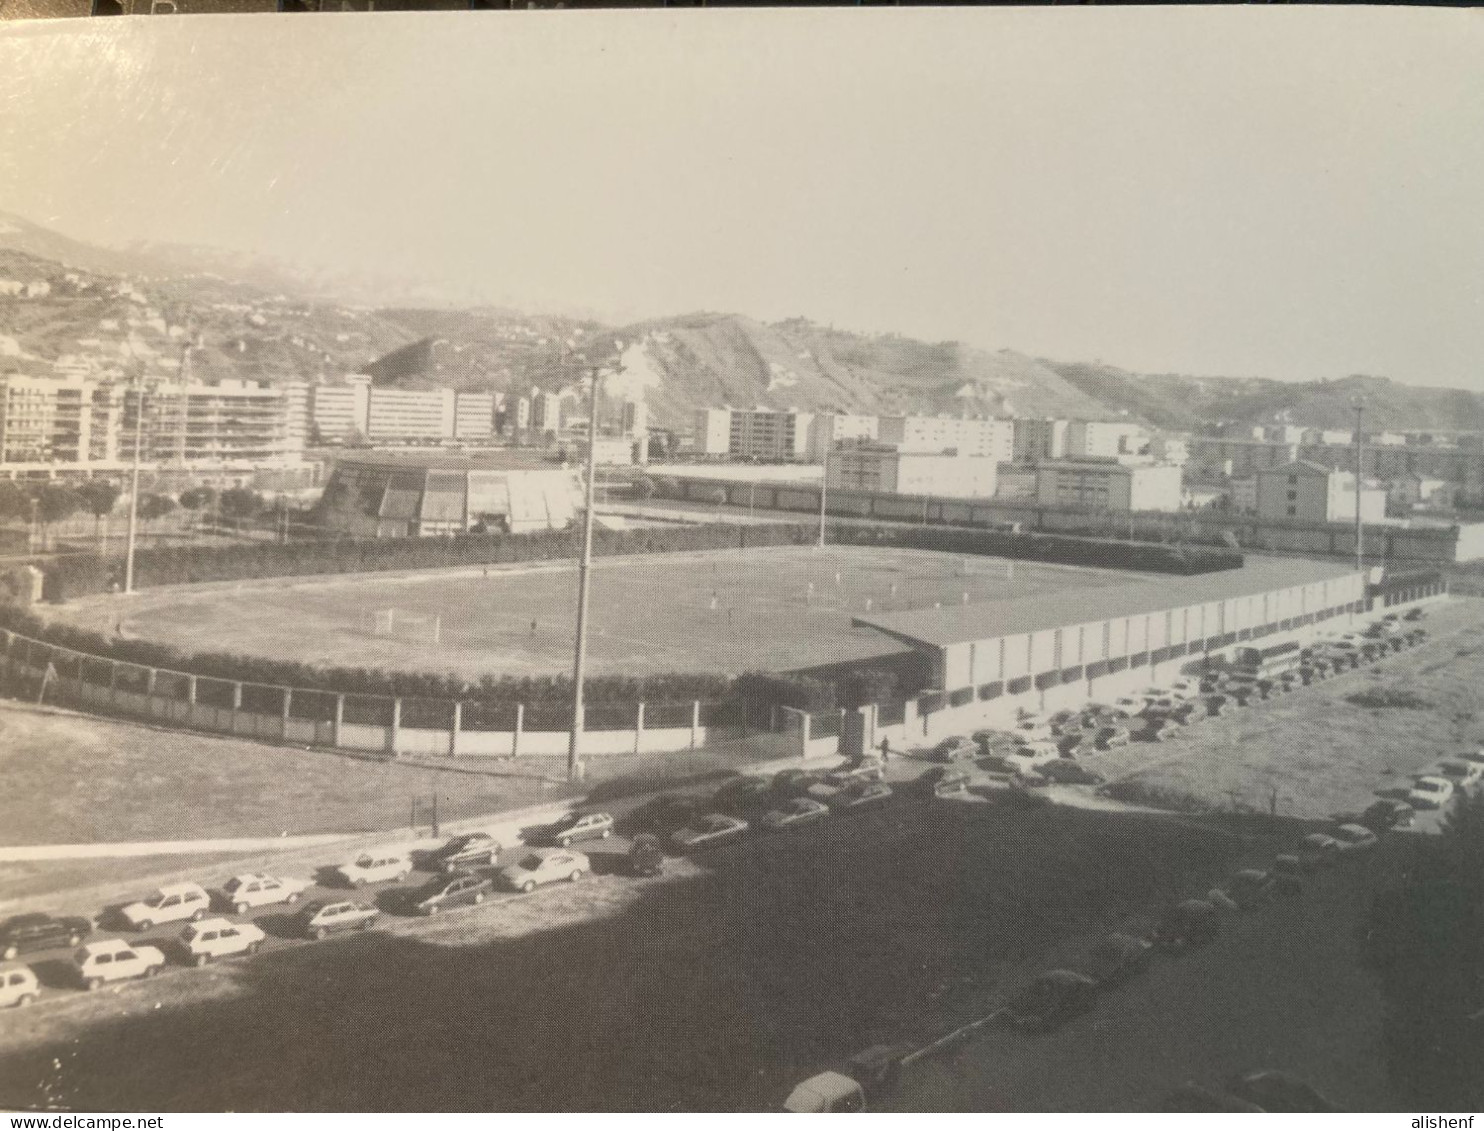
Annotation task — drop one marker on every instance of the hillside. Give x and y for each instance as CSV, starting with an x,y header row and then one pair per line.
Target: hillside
x,y
1176,401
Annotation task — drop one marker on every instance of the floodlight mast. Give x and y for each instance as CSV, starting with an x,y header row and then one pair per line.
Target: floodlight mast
x,y
584,568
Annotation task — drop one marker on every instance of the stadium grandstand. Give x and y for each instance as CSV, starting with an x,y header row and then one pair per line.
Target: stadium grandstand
x,y
422,495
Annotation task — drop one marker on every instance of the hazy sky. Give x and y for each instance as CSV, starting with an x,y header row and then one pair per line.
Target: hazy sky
x,y
1294,193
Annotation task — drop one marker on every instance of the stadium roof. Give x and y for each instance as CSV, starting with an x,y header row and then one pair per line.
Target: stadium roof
x,y
988,620
432,459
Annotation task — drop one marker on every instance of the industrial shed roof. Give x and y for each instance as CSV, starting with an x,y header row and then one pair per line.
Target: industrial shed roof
x,y
959,624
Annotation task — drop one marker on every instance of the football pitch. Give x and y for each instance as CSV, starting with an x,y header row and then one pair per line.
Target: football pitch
x,y
718,611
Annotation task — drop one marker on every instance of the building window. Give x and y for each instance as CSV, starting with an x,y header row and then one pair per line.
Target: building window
x,y
1293,512
1292,496
1293,480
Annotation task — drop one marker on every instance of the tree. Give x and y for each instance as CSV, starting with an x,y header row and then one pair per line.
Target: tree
x,y
197,498
152,507
99,496
239,503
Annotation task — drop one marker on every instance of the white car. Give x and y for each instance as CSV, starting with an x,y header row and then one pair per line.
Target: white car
x,y
114,960
543,866
219,938
375,868
1185,689
1464,775
1032,728
1128,706
170,904
1025,759
1430,793
18,985
1353,838
257,889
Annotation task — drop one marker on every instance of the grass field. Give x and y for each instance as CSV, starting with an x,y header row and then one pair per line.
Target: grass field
x,y
765,610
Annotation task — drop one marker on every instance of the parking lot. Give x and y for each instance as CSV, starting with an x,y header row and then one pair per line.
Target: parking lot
x,y
747,967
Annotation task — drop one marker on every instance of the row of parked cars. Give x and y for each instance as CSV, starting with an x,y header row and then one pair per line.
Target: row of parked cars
x,y
209,932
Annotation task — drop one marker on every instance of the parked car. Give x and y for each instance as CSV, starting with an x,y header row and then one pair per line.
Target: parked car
x,y
374,868
38,931
1118,958
114,960
707,830
18,985
662,815
1414,614
1066,771
258,889
1028,759
544,866
946,781
794,782
170,904
467,851
744,795
1388,814
1051,999
452,890
1032,728
1317,851
1191,923
218,938
859,796
1107,738
956,749
1159,730
1474,756
1249,888
645,857
1128,706
1290,872
1353,838
576,826
319,919
1464,775
799,811
1430,793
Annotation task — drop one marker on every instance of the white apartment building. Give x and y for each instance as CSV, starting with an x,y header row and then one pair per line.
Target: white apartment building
x,y
829,430
713,431
1102,439
992,438
341,411
1311,492
213,424
411,414
474,416
1106,484
888,469
546,412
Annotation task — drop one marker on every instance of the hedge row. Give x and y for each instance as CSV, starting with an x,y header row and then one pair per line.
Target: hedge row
x,y
83,575
1105,553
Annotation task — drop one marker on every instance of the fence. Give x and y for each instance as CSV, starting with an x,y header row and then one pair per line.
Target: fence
x,y
370,724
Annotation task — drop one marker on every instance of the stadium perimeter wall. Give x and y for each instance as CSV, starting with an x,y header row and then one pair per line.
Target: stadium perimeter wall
x,y
1458,543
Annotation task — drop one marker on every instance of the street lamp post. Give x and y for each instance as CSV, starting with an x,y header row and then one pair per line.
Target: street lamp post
x,y
1359,406
134,487
579,662
824,487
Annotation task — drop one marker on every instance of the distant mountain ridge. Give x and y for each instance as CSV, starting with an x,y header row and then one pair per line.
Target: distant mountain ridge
x,y
255,318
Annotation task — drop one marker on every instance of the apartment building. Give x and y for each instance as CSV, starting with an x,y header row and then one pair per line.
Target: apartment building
x,y
546,412
1040,439
474,416
769,434
1106,484
226,422
341,411
968,437
829,430
713,431
889,469
1102,439
411,414
1310,492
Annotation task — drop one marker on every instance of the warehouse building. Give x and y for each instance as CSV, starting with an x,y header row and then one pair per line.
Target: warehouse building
x,y
993,661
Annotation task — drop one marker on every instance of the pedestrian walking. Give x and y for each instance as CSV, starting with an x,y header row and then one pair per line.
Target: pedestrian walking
x,y
885,749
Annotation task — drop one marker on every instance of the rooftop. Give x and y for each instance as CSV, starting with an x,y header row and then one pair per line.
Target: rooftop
x,y
960,624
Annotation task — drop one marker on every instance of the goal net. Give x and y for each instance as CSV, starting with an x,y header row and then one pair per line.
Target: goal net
x,y
399,623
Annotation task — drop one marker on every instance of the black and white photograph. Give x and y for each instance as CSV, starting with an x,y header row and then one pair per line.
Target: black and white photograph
x,y
795,560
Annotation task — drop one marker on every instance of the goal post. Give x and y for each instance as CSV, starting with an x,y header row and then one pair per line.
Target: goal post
x,y
404,625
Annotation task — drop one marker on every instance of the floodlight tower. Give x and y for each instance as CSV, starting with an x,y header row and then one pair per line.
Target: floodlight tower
x,y
1358,404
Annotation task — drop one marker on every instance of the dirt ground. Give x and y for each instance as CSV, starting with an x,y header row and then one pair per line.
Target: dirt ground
x,y
1321,754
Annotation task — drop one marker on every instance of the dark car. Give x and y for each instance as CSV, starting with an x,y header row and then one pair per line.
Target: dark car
x,y
1066,771
453,890
1192,923
743,796
945,781
574,827
1388,814
666,813
38,931
1275,1091
865,794
1051,999
794,782
1249,888
1118,958
646,858
465,851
